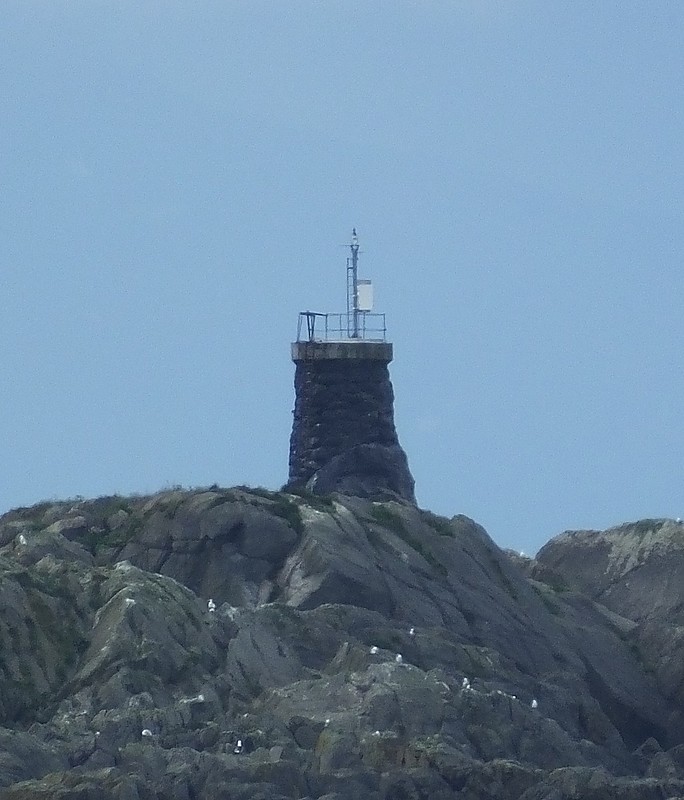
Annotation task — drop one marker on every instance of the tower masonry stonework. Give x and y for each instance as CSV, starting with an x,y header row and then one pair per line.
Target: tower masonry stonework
x,y
343,434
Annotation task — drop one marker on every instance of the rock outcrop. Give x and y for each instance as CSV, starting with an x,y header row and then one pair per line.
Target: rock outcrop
x,y
352,648
635,570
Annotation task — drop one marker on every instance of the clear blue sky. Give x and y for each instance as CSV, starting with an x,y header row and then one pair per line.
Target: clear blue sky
x,y
176,179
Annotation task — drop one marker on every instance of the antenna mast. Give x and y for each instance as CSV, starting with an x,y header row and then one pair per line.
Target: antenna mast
x,y
353,288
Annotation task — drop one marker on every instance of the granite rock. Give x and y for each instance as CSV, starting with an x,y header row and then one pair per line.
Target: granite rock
x,y
354,648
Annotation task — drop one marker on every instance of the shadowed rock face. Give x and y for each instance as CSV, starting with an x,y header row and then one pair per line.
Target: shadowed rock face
x,y
368,470
358,649
636,570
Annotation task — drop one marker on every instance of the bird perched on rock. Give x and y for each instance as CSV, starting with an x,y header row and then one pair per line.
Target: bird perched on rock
x,y
412,632
146,732
465,683
534,703
398,658
373,650
238,747
198,698
211,606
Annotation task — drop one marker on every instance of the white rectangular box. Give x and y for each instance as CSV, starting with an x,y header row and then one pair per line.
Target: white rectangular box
x,y
364,295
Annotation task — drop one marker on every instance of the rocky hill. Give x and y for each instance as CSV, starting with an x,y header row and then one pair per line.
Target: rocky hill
x,y
244,644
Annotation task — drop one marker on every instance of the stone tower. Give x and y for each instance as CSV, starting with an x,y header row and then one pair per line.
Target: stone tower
x,y
343,435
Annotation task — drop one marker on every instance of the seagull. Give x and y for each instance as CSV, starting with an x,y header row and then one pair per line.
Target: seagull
x,y
327,722
465,683
412,632
199,698
22,539
130,601
678,521
398,658
373,650
534,703
238,747
211,606
146,732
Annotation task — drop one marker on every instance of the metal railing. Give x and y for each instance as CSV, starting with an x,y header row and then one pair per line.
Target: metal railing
x,y
313,326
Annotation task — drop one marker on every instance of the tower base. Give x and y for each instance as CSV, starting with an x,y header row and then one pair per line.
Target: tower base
x,y
343,435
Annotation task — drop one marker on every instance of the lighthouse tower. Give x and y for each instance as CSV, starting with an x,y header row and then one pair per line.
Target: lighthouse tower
x,y
343,435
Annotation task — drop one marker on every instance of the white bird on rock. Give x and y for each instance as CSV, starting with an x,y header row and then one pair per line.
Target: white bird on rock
x,y
465,683
146,732
398,658
534,703
238,747
373,650
211,606
198,698
412,632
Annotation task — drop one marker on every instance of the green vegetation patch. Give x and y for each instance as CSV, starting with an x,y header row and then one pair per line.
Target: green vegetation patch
x,y
259,491
439,524
32,513
54,583
109,504
646,526
549,602
320,502
104,538
170,505
288,510
279,504
388,519
392,521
